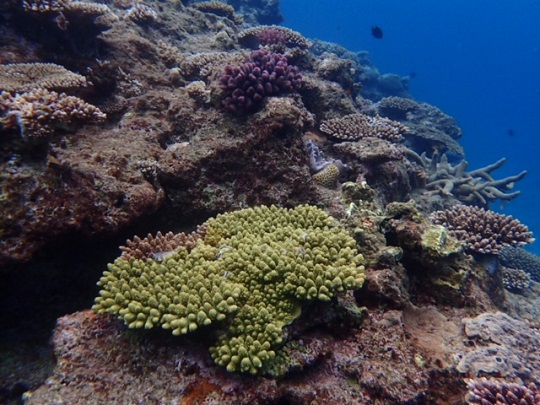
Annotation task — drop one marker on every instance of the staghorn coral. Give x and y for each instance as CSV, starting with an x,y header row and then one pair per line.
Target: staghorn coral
x,y
264,74
220,9
272,35
356,126
252,267
499,392
482,231
475,187
515,280
518,258
41,112
30,76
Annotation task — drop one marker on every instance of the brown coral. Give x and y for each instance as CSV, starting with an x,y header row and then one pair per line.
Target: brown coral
x,y
269,34
482,231
141,14
29,76
41,112
356,126
79,7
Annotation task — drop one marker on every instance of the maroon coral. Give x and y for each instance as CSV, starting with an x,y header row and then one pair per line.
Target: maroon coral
x,y
482,231
486,392
264,74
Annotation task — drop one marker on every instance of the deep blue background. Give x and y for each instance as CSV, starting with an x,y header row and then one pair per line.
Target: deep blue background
x,y
478,61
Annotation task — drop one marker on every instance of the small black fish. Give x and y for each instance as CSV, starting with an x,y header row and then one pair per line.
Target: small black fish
x,y
377,32
511,132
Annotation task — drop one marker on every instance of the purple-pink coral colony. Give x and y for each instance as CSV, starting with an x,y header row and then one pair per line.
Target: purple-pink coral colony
x,y
264,74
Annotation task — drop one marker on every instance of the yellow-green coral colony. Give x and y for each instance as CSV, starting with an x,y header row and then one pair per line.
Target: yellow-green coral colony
x,y
252,267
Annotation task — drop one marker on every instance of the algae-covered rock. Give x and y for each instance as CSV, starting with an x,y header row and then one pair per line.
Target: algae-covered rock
x,y
252,268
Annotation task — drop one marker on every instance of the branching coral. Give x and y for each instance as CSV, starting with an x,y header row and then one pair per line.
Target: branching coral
x,y
30,76
41,112
264,74
356,126
482,231
272,35
251,267
495,392
474,187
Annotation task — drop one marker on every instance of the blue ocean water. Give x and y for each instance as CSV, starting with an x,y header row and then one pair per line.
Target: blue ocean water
x,y
478,61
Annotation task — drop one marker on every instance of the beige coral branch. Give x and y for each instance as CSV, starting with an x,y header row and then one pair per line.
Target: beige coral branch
x,y
356,126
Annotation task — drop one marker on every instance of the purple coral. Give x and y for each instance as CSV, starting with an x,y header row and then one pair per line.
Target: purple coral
x,y
264,74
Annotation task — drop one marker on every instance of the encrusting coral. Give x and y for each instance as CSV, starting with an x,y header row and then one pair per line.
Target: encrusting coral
x,y
41,112
482,231
252,267
356,126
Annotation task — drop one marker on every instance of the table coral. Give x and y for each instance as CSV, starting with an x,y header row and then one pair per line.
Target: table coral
x,y
482,231
269,35
252,267
30,76
356,126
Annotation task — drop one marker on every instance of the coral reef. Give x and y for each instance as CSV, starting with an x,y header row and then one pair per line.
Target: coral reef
x,y
264,74
493,391
169,156
476,187
251,266
40,112
357,126
483,231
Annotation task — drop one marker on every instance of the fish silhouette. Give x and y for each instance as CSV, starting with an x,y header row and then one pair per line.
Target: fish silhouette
x,y
377,32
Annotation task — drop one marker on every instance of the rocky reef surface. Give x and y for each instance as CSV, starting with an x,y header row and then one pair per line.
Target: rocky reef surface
x,y
122,118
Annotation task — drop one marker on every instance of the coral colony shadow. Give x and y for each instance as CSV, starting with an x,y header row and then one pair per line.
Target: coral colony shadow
x,y
338,244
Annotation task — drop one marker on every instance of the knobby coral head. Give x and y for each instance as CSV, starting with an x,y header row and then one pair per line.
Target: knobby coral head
x,y
264,74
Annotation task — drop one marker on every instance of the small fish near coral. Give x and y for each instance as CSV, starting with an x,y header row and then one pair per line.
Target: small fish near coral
x,y
377,32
